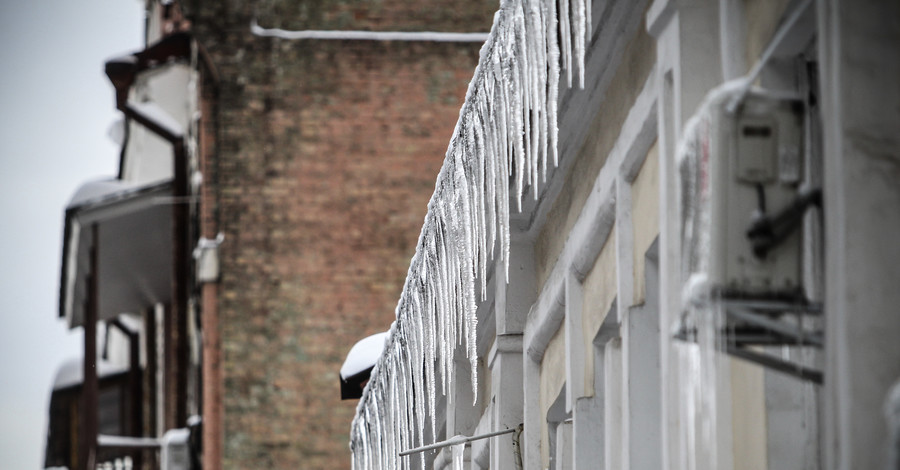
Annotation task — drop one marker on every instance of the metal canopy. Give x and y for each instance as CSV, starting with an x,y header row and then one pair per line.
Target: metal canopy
x,y
134,249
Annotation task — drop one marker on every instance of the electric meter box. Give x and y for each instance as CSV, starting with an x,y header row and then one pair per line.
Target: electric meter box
x,y
175,453
734,168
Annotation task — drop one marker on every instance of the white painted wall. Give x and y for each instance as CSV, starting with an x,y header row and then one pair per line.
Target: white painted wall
x,y
148,157
587,319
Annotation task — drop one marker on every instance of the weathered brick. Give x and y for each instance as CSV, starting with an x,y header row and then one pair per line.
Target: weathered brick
x,y
327,155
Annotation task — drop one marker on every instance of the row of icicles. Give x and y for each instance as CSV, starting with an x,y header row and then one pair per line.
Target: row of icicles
x,y
504,141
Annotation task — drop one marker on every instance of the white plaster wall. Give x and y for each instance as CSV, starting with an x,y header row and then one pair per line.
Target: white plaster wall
x,y
552,379
645,218
599,295
861,117
629,75
148,157
748,416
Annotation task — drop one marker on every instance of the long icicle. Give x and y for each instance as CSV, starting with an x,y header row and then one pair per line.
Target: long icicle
x,y
507,127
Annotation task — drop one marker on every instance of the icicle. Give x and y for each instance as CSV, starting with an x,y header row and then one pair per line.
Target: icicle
x,y
565,31
391,417
442,318
458,451
523,68
506,131
418,347
503,200
538,12
490,185
553,79
483,207
588,22
579,13
469,273
519,141
429,366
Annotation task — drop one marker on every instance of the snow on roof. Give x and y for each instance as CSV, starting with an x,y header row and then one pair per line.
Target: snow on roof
x,y
133,230
363,355
99,190
71,372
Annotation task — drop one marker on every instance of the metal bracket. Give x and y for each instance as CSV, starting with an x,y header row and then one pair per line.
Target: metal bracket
x,y
456,440
752,324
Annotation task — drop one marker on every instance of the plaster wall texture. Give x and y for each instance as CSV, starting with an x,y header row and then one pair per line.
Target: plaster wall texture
x,y
636,64
748,416
599,294
552,379
761,22
644,218
861,115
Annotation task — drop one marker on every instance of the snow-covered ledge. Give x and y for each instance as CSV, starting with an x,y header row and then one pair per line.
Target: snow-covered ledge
x,y
504,143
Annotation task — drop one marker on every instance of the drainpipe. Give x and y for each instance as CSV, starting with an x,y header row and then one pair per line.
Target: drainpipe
x,y
87,439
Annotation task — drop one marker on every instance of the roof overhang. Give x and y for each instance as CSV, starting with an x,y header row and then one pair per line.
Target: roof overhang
x,y
177,46
134,249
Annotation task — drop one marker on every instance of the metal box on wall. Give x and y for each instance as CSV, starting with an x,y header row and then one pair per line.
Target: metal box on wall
x,y
738,165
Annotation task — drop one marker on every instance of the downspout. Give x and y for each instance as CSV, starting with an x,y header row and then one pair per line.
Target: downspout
x,y
89,423
212,388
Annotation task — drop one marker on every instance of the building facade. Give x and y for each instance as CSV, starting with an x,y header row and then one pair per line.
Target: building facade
x,y
262,219
326,151
127,274
704,279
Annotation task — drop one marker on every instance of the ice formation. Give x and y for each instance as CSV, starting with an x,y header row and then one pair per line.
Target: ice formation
x,y
504,140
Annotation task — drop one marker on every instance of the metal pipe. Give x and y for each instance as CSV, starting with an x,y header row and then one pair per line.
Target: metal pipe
x,y
801,336
417,36
87,440
770,362
766,55
775,306
127,442
456,440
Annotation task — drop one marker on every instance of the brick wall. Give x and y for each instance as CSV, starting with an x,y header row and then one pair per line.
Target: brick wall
x,y
327,155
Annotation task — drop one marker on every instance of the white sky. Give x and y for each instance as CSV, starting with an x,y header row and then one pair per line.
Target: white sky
x,y
56,106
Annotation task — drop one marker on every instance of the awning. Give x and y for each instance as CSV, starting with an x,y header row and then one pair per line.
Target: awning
x,y
134,241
